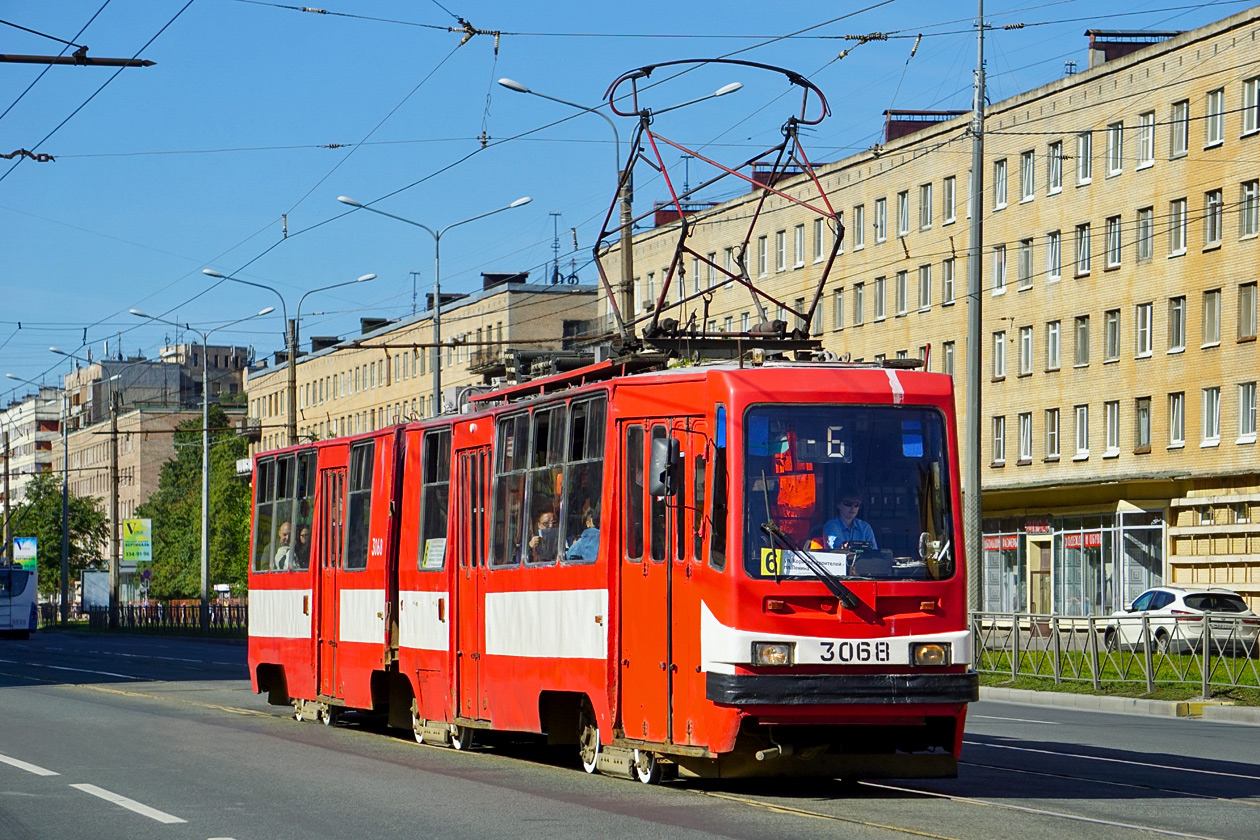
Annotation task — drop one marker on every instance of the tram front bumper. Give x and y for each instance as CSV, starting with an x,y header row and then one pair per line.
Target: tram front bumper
x,y
841,689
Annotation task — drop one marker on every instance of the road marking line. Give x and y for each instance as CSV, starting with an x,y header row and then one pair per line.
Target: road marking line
x,y
129,804
86,671
1042,811
29,768
1115,760
801,812
1015,720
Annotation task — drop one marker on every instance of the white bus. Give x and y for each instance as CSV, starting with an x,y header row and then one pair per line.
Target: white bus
x,y
18,611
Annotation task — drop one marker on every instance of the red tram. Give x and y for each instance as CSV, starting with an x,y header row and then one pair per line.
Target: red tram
x,y
646,564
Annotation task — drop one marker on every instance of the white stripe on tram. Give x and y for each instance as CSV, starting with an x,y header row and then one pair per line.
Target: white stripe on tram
x,y
561,624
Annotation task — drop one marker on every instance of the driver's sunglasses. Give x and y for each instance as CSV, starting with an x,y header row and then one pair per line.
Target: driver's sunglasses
x,y
851,503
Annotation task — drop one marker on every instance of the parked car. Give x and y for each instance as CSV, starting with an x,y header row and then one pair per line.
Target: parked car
x,y
1178,618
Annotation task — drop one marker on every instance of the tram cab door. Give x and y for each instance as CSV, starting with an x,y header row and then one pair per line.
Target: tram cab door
x,y
655,581
470,527
330,545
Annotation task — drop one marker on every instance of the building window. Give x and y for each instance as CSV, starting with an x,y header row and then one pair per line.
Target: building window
x,y
949,200
1025,437
1084,157
925,206
1249,209
763,257
1215,118
881,219
1180,135
1251,106
903,292
1211,416
1176,227
1111,335
999,440
1111,423
859,227
1146,140
1142,318
1145,234
1113,242
1082,431
1052,434
1176,324
780,250
1082,340
1053,343
1213,218
1025,351
999,355
947,365
798,246
1247,311
1141,425
947,280
1027,177
1115,148
881,298
999,269
1211,318
819,239
925,287
1247,412
1177,419
999,184
1054,259
837,298
903,213
745,321
1054,168
1082,250
1025,270
859,303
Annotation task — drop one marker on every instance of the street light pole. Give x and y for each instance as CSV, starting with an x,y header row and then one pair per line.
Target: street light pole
x,y
437,279
205,449
290,338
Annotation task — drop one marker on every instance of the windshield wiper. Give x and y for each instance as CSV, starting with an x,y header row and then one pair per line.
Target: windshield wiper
x,y
833,583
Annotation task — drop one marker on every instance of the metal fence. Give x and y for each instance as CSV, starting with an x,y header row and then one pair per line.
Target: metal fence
x,y
224,618
1213,652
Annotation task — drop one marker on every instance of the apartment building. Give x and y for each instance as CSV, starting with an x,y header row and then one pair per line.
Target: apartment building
x,y
385,374
1121,230
32,424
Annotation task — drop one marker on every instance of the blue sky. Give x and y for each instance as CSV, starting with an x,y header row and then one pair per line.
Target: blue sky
x,y
203,159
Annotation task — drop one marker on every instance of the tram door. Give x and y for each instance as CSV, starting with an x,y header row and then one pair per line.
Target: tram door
x,y
330,544
473,470
653,529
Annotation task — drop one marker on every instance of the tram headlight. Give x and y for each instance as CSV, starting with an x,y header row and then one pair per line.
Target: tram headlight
x,y
930,654
773,653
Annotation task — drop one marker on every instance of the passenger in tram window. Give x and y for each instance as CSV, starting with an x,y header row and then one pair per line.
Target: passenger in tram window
x,y
302,551
284,554
543,543
846,527
586,547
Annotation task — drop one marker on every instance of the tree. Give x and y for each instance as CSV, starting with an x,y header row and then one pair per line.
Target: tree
x,y
39,516
175,508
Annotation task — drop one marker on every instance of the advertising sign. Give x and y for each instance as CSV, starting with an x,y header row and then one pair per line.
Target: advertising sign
x,y
137,541
25,553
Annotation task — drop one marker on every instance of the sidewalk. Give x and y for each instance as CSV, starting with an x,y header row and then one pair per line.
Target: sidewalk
x,y
1198,710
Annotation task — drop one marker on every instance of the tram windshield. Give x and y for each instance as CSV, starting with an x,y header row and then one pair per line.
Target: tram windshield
x,y
847,491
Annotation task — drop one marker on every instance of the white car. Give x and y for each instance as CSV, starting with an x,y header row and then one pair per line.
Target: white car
x,y
1177,618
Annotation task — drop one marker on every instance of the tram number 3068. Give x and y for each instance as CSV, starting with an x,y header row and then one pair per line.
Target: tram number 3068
x,y
854,652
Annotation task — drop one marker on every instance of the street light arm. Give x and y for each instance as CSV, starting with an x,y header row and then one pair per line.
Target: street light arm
x,y
284,312
520,202
520,88
365,278
350,201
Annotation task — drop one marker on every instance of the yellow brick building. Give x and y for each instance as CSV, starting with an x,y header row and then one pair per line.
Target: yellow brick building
x,y
1121,221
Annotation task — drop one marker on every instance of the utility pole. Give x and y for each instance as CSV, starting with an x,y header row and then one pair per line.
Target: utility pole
x,y
114,569
8,526
972,508
414,275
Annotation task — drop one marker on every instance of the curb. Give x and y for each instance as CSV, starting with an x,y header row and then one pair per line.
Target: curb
x,y
1194,710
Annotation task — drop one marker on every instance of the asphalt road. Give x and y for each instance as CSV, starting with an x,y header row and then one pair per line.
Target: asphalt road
x,y
132,737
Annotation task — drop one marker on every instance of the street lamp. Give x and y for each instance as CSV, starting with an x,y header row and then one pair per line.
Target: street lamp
x,y
65,498
437,279
290,337
205,448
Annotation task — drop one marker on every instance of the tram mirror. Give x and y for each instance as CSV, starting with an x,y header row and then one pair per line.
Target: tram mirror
x,y
666,456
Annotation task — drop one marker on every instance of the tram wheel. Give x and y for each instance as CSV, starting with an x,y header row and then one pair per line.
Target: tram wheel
x,y
647,768
462,738
588,742
328,715
297,710
417,726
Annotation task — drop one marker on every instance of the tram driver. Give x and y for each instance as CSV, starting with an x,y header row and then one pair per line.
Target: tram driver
x,y
846,527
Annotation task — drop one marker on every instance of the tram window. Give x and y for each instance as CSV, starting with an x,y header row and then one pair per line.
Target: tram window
x,y
718,503
697,507
658,510
583,481
434,499
511,450
281,559
634,493
303,511
264,488
680,505
542,542
359,513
